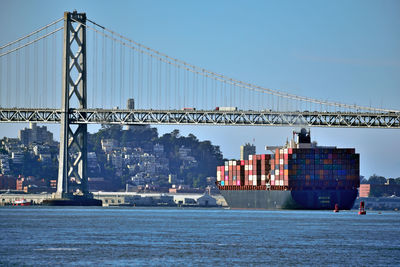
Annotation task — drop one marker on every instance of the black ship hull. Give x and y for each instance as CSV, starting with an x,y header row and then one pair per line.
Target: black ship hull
x,y
296,199
72,202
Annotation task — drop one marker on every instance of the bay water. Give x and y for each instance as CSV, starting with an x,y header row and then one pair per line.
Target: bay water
x,y
81,236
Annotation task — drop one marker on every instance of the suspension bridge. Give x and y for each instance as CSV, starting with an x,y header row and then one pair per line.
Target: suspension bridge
x,y
101,70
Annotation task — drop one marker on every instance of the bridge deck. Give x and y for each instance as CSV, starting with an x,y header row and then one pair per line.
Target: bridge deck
x,y
205,117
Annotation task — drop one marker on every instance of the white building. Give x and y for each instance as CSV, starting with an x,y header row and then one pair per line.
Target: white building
x,y
108,145
17,157
35,134
4,164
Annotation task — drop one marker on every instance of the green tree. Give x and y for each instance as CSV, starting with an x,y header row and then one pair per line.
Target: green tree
x,y
376,179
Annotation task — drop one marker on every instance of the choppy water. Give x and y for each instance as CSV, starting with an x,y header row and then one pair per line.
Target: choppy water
x,y
196,237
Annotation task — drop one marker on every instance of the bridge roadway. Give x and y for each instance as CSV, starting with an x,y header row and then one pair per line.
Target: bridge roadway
x,y
205,117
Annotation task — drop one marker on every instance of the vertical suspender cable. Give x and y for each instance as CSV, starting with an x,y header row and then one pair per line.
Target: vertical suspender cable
x,y
228,94
179,95
119,99
18,94
235,99
44,61
1,81
149,83
27,82
156,97
121,75
287,104
203,93
96,72
187,90
231,94
140,80
53,71
153,84
124,90
156,81
194,91
176,87
8,73
93,72
130,74
244,99
214,92
35,73
160,98
166,88
220,89
225,94
221,93
103,71
111,89
134,69
184,87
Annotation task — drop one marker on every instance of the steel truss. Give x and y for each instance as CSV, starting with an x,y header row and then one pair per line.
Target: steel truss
x,y
202,117
30,115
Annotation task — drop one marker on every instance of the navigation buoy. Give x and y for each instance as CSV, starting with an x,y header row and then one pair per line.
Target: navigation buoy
x,y
336,208
362,208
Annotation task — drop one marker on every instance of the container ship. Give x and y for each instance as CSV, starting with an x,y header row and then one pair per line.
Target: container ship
x,y
299,175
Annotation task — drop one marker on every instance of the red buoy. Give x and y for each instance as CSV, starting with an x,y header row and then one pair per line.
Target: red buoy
x,y
362,209
336,208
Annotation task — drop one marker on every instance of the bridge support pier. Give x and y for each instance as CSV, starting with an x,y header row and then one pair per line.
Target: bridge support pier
x,y
72,184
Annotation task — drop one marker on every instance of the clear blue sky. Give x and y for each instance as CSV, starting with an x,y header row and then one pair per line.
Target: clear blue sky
x,y
346,51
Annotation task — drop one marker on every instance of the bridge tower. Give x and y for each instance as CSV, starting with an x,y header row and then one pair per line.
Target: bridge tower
x,y
73,138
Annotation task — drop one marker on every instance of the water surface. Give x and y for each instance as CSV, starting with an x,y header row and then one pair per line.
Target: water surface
x,y
196,237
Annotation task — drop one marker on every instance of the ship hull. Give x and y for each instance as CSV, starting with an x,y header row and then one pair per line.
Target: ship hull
x,y
296,199
72,202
